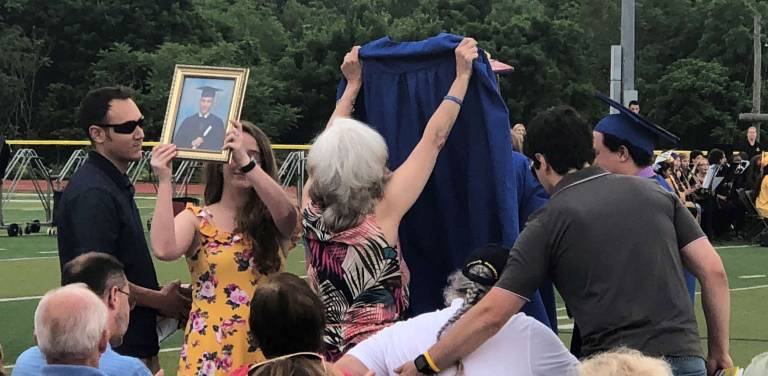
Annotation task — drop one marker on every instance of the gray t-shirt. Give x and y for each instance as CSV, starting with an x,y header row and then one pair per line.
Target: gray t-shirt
x,y
611,244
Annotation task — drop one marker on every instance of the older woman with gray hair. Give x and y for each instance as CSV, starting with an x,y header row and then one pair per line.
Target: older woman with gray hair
x,y
353,206
523,347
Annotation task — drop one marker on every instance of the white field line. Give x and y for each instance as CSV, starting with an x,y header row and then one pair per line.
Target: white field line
x,y
23,298
14,199
752,276
560,327
29,258
749,288
23,201
20,299
40,209
742,288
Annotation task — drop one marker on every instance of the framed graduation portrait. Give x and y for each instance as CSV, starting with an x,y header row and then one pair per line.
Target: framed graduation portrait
x,y
201,103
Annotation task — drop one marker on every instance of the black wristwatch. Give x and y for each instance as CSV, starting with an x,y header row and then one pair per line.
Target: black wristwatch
x,y
250,166
423,366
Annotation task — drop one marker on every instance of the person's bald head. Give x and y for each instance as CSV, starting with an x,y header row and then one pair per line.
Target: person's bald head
x,y
71,325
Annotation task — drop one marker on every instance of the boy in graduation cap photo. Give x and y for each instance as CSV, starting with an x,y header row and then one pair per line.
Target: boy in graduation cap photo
x,y
202,130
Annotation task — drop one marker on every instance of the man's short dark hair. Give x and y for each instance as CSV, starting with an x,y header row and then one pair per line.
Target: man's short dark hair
x,y
639,156
99,271
634,103
95,105
562,137
695,154
715,155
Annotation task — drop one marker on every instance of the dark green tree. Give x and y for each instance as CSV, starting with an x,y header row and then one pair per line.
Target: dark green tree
x,y
696,100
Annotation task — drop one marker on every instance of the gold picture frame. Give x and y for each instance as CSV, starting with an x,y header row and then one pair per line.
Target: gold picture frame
x,y
201,102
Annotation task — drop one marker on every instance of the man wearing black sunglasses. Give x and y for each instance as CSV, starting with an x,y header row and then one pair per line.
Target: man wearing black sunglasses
x,y
98,211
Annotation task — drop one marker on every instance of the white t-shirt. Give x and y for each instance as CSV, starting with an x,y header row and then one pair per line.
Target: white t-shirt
x,y
522,347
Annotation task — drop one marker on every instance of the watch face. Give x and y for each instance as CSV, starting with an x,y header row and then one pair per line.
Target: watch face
x,y
422,365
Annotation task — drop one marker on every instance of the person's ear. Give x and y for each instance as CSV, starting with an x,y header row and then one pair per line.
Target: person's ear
x,y
623,153
543,165
113,299
98,134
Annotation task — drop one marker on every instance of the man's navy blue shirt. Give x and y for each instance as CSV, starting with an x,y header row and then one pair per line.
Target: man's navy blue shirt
x,y
97,212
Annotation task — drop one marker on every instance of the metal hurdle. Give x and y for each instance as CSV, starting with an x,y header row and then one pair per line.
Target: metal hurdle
x,y
294,165
183,175
74,162
26,163
135,168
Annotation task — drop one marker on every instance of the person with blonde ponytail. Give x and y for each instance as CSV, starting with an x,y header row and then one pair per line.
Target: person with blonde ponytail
x,y
353,205
523,347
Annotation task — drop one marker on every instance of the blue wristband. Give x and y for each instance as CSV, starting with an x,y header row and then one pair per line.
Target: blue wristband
x,y
453,99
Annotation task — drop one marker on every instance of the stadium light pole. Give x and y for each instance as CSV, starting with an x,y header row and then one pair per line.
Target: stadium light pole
x,y
757,67
628,51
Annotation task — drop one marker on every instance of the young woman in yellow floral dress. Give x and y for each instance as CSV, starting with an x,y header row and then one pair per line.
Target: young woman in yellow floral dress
x,y
230,245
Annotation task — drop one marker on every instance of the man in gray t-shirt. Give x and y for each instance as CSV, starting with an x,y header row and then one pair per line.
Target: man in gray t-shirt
x,y
624,287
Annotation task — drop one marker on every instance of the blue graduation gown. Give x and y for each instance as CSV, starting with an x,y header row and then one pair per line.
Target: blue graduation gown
x,y
480,191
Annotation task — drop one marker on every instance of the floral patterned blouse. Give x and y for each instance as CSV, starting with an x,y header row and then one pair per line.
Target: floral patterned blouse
x,y
217,339
362,280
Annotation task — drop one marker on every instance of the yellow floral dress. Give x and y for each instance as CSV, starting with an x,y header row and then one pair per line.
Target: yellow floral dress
x,y
217,339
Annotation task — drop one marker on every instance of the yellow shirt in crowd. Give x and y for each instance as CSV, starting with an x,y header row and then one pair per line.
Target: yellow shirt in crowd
x,y
762,200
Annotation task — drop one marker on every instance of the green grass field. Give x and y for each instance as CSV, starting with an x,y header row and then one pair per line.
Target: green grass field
x,y
29,268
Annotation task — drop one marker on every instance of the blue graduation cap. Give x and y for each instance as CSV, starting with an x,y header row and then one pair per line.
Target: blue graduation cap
x,y
632,127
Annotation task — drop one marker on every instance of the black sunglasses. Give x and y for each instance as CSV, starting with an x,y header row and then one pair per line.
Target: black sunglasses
x,y
125,128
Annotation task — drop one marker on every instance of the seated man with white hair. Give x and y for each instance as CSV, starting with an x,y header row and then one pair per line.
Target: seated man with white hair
x,y
103,274
523,347
71,331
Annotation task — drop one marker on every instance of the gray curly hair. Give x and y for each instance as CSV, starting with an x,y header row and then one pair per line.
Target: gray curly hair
x,y
348,165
